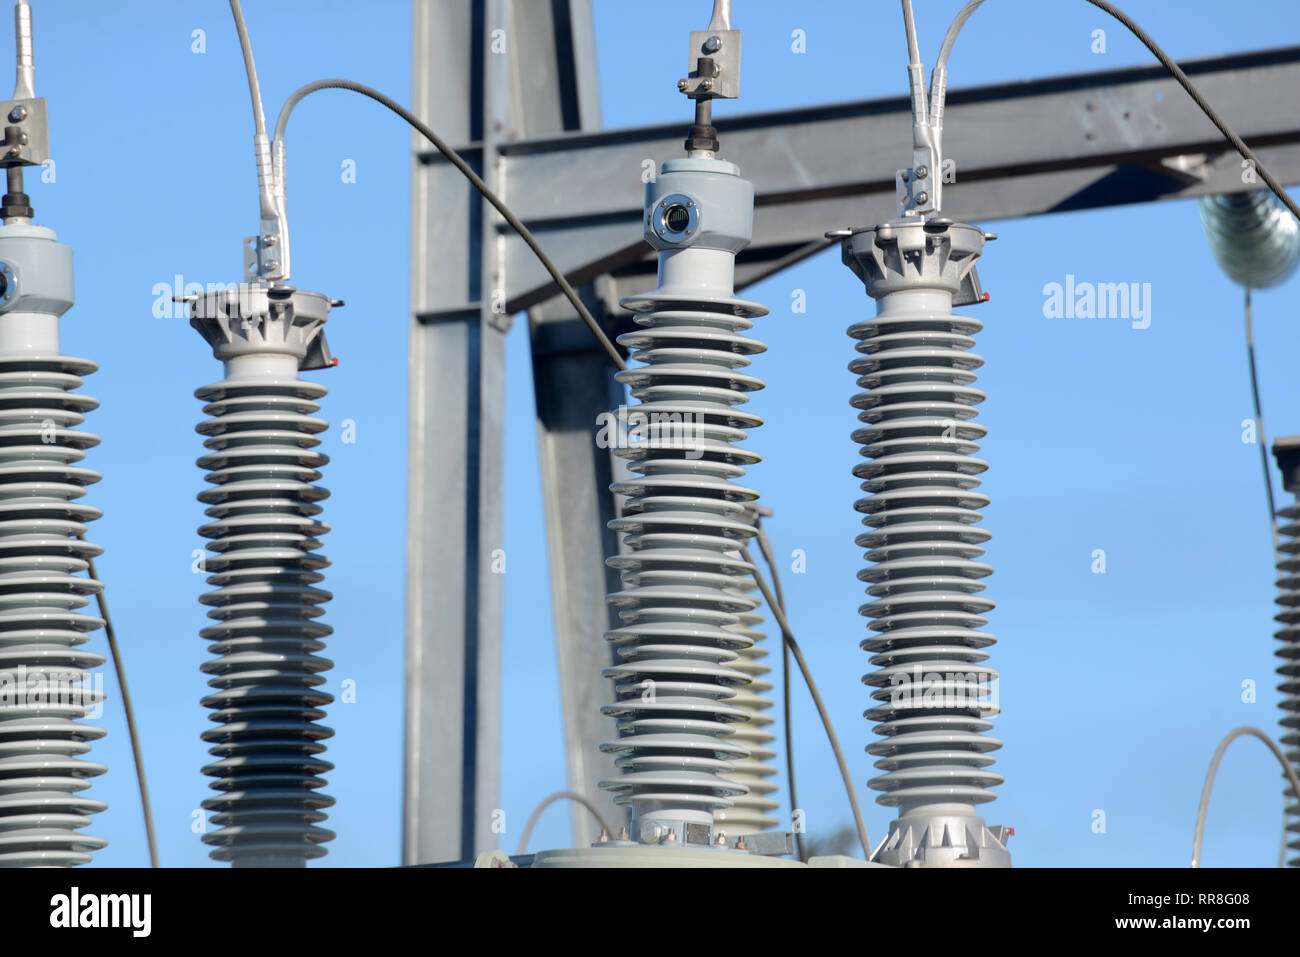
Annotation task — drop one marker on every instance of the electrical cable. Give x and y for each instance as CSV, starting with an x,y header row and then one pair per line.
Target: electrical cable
x,y
1176,71
1260,436
1204,806
1262,440
909,25
1200,101
779,614
547,802
721,18
482,187
921,134
953,29
132,733
254,87
765,547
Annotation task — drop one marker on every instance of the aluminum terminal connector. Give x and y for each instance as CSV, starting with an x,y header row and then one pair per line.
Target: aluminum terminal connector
x,y
713,72
264,507
933,692
25,60
25,124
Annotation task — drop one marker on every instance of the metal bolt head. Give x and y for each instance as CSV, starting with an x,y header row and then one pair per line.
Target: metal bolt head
x,y
706,85
922,172
15,152
18,114
712,45
922,198
722,839
683,84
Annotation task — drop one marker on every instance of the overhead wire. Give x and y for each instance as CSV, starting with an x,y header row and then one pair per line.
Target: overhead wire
x,y
1262,440
486,191
1210,775
132,731
250,68
909,25
551,799
949,38
779,614
765,548
1173,68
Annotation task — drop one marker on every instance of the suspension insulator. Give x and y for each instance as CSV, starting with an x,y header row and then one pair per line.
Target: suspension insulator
x,y
264,507
48,680
933,693
1287,451
685,515
1254,238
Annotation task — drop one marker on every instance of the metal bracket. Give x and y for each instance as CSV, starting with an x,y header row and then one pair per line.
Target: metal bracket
x,y
1185,168
720,51
8,285
502,322
919,187
32,120
971,292
767,843
262,254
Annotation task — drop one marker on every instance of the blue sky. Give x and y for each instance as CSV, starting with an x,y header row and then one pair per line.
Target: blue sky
x,y
1115,687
